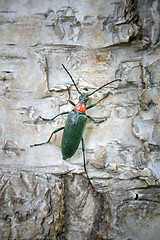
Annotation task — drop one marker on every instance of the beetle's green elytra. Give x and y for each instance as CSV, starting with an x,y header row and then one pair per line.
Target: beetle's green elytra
x,y
73,132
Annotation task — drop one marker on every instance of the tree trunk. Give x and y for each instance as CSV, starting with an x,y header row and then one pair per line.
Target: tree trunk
x,y
42,196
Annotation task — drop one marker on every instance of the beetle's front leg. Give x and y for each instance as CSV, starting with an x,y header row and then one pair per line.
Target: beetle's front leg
x,y
69,99
51,119
95,121
94,104
55,131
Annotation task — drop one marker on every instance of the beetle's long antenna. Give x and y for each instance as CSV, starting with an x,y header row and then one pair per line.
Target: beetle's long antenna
x,y
103,86
72,79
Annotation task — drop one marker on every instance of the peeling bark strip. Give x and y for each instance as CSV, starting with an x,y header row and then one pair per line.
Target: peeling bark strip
x,y
31,205
41,197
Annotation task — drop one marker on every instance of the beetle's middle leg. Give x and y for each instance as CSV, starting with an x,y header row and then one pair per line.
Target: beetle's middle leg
x,y
55,131
51,119
95,121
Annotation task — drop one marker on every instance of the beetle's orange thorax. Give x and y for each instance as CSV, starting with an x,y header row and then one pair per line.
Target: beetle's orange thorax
x,y
80,107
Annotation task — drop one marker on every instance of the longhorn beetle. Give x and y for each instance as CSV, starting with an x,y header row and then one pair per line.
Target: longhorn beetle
x,y
75,123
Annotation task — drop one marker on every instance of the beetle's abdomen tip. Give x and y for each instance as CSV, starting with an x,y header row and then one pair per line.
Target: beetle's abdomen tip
x,y
64,157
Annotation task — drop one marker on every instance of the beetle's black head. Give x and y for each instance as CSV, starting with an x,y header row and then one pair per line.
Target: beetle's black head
x,y
83,98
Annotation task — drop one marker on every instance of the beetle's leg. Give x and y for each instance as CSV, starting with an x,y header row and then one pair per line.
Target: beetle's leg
x,y
45,119
93,105
104,86
95,121
38,144
84,159
72,79
69,99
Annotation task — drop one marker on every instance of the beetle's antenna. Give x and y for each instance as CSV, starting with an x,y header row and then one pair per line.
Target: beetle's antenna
x,y
104,86
72,79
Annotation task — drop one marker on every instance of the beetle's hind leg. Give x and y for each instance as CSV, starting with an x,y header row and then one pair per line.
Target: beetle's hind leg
x,y
55,131
84,159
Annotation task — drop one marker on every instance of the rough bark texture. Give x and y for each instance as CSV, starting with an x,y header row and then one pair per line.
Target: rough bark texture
x,y
42,196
